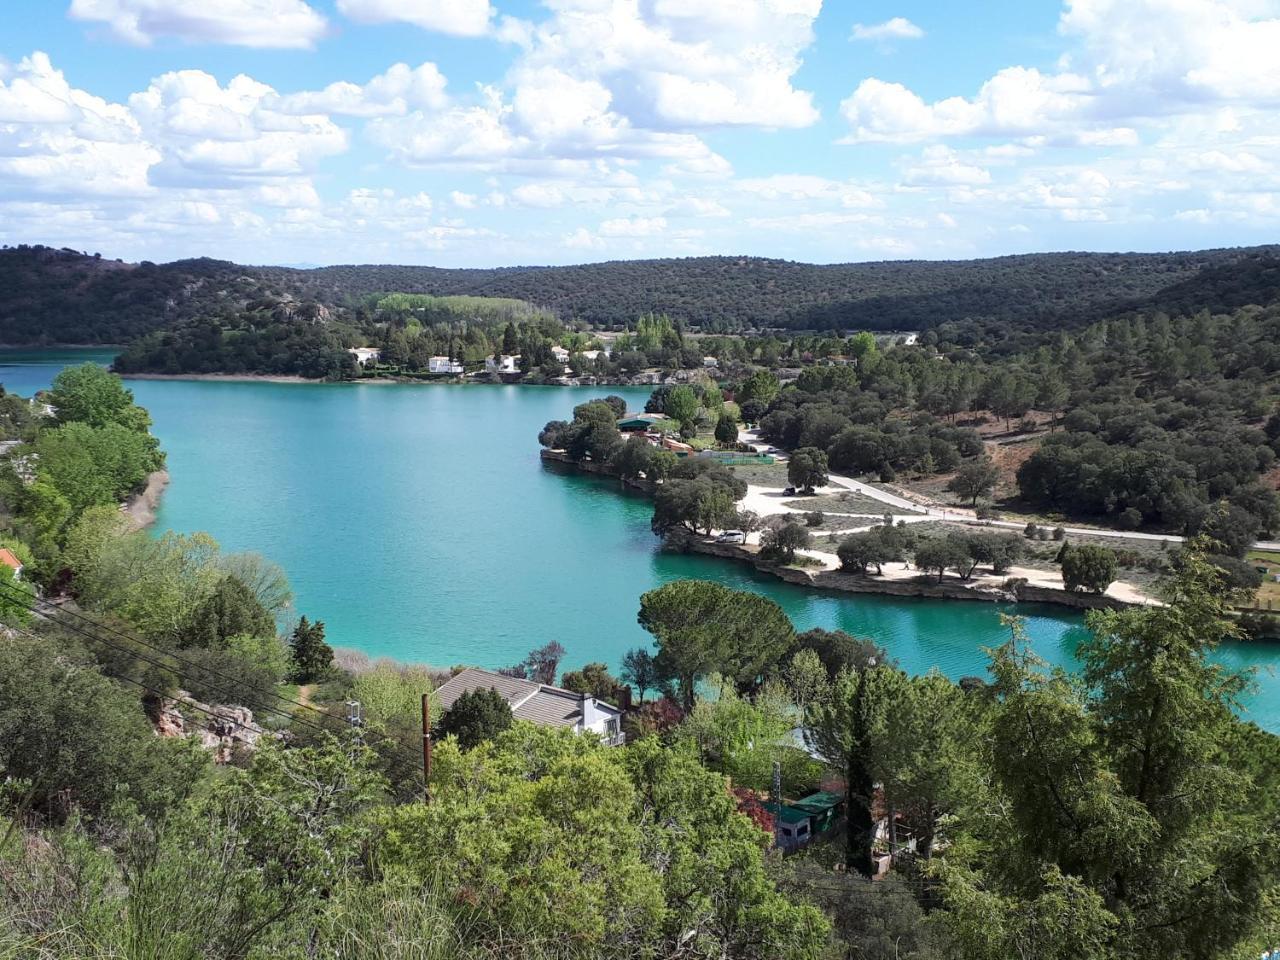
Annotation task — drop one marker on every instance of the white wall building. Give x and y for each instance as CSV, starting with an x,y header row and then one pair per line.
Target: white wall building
x,y
365,355
443,365
503,364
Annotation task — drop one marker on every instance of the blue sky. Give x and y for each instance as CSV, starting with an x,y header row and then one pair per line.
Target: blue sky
x,y
491,132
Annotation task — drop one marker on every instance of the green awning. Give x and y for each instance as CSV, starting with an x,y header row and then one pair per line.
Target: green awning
x,y
819,803
789,813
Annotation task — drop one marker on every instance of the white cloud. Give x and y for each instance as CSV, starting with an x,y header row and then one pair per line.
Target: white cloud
x,y
1180,49
461,18
793,187
895,28
582,239
464,201
1130,60
1016,101
248,23
633,227
472,134
541,195
556,125
941,165
684,63
550,104
60,141
216,136
701,207
398,90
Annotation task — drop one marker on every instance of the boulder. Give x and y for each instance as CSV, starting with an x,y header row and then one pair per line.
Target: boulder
x,y
221,728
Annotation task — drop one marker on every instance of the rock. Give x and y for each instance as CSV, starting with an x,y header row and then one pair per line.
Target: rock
x,y
222,729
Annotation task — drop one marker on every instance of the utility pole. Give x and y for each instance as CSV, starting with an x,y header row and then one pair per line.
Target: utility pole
x,y
355,720
777,803
426,748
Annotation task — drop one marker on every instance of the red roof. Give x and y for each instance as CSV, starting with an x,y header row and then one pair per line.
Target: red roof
x,y
9,560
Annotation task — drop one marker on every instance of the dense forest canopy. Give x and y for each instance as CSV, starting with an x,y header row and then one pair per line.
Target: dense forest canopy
x,y
62,296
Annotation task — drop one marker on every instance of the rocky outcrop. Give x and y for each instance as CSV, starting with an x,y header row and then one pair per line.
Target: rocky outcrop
x,y
222,729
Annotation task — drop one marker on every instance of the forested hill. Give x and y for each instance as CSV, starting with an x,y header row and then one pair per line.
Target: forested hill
x,y
61,296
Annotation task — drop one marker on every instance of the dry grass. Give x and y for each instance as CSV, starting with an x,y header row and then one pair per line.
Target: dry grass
x,y
1269,592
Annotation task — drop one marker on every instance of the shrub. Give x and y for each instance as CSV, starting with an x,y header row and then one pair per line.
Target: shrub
x,y
225,676
814,518
1088,568
476,716
780,545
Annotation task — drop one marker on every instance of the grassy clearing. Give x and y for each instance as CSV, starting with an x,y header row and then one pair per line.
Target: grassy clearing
x,y
763,474
846,502
1269,592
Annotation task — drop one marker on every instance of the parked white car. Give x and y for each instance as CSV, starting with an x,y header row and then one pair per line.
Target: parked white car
x,y
732,536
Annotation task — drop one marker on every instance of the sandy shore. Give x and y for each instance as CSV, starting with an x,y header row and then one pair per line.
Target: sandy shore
x,y
228,377
141,507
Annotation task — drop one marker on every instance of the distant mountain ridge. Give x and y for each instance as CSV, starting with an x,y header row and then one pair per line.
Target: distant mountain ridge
x,y
64,296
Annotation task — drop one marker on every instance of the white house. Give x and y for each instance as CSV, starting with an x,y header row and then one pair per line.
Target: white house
x,y
365,355
594,355
710,362
443,365
541,703
560,353
502,364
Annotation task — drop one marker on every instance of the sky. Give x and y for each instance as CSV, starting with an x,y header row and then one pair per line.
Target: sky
x,y
503,132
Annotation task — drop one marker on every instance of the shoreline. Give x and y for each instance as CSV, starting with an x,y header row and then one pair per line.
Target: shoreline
x,y
221,377
141,507
62,346
920,587
437,380
837,581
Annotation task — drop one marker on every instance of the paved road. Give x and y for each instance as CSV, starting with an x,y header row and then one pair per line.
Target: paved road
x,y
901,504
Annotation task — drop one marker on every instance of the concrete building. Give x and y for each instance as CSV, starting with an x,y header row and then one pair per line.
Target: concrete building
x,y
443,365
365,355
503,364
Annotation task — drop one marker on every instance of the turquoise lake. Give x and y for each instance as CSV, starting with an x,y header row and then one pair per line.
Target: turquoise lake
x,y
418,523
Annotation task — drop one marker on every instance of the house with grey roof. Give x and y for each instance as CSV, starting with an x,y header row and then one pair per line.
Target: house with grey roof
x,y
540,703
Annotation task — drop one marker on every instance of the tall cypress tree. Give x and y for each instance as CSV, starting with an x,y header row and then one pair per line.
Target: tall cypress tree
x,y
312,657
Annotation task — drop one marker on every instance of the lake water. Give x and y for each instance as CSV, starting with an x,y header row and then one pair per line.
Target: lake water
x,y
417,522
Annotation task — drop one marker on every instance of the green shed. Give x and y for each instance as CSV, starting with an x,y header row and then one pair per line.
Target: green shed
x,y
824,809
639,421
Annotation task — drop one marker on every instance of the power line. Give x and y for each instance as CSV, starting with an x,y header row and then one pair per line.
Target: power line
x,y
23,599
15,593
146,687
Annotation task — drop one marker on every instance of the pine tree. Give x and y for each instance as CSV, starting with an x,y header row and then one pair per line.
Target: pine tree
x,y
312,657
